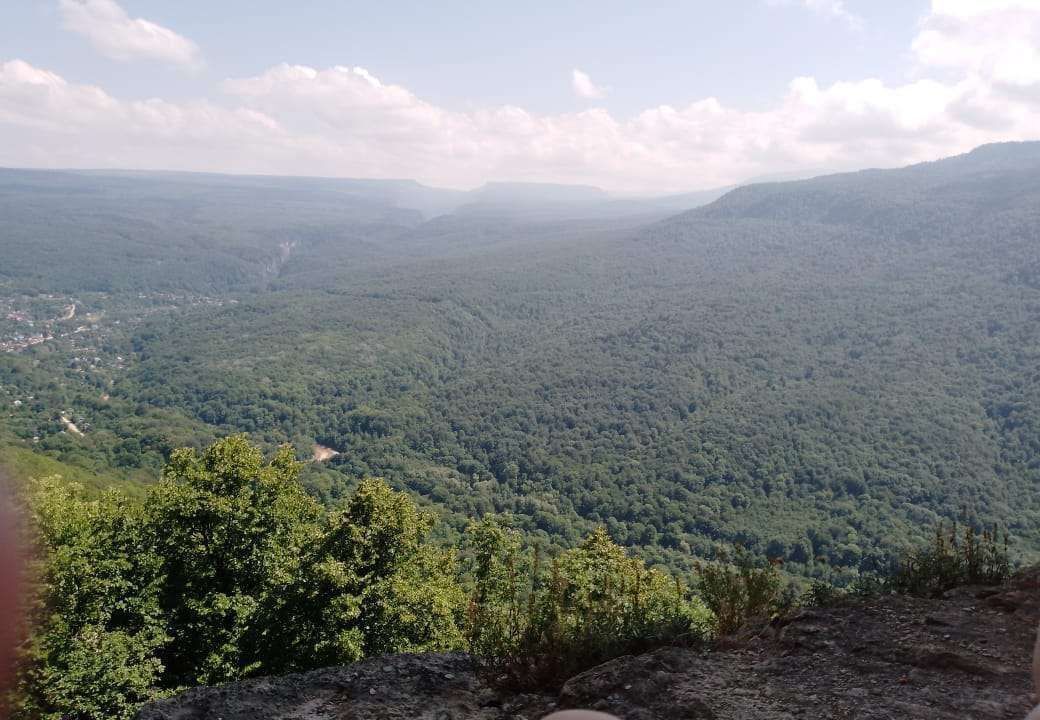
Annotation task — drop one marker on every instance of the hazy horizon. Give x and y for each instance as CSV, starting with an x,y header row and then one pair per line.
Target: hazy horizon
x,y
503,182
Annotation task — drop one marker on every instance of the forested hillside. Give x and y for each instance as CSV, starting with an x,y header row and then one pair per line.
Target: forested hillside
x,y
819,370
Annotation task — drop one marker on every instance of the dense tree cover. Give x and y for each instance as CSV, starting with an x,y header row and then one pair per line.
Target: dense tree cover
x,y
80,232
819,371
228,569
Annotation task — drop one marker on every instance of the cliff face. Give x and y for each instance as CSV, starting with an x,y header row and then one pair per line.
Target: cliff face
x,y
965,656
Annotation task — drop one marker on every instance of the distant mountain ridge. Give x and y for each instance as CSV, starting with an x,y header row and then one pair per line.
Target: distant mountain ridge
x,y
536,200
983,179
835,197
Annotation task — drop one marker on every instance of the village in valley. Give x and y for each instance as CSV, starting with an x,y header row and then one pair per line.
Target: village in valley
x,y
84,339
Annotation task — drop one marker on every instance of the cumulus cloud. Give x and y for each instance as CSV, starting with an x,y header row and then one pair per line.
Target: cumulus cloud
x,y
995,41
116,35
46,121
584,87
976,80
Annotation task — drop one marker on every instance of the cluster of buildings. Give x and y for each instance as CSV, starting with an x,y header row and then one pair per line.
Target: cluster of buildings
x,y
19,342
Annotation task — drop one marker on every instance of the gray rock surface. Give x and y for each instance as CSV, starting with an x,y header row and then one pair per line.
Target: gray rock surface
x,y
964,656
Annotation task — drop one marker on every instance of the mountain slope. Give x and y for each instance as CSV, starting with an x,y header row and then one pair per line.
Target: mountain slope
x,y
917,201
820,370
74,232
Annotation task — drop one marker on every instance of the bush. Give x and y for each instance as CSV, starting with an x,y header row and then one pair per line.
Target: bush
x,y
953,559
822,594
739,592
530,626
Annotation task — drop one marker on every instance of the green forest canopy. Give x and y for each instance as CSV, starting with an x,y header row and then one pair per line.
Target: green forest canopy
x,y
818,370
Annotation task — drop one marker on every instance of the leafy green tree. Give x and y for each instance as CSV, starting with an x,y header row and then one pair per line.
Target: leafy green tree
x,y
498,571
369,585
226,569
228,528
97,621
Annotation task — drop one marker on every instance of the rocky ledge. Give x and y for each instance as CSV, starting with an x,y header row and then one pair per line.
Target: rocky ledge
x,y
964,656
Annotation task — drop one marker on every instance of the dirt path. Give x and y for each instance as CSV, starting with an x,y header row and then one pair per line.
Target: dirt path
x,y
322,453
71,426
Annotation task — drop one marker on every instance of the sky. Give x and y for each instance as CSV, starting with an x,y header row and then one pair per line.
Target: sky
x,y
635,97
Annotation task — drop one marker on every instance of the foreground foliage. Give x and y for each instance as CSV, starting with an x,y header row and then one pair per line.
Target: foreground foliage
x,y
532,624
228,569
954,558
739,592
98,625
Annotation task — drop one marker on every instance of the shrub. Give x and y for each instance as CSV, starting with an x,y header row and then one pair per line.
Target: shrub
x,y
532,626
502,590
739,592
953,559
822,594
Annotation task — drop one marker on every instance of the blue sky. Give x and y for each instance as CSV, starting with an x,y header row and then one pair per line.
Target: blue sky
x,y
635,97
466,54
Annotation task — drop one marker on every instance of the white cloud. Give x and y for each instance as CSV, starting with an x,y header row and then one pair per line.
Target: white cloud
x,y
116,35
584,87
977,80
46,121
997,41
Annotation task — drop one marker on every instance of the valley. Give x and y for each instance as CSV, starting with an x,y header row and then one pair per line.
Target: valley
x,y
514,361
820,371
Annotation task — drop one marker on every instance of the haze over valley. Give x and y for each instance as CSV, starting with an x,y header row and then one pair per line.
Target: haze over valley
x,y
819,370
480,361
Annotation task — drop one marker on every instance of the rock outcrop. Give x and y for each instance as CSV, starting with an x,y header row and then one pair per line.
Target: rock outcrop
x,y
964,656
